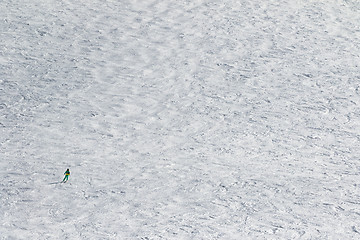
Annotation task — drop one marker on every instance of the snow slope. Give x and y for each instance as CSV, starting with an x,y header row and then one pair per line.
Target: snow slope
x,y
201,119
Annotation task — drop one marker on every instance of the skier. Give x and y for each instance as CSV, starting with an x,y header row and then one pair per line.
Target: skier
x,y
67,174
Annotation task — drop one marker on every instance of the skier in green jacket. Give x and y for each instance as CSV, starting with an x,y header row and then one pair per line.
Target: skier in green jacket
x,y
67,174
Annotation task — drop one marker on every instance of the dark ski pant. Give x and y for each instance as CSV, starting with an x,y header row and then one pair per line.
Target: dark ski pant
x,y
65,178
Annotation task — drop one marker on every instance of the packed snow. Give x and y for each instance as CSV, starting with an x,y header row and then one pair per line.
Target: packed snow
x,y
180,119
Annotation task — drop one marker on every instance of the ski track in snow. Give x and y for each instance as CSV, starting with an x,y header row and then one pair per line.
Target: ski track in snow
x,y
198,119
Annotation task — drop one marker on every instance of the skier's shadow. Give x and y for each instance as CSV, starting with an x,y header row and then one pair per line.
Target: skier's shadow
x,y
54,183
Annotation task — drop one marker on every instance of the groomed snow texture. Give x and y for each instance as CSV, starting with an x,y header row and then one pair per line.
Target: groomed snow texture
x,y
180,119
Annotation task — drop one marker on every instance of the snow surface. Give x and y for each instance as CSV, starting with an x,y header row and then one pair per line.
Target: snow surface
x,y
180,119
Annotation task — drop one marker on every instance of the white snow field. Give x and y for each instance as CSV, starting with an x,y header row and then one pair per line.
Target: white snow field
x,y
180,119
